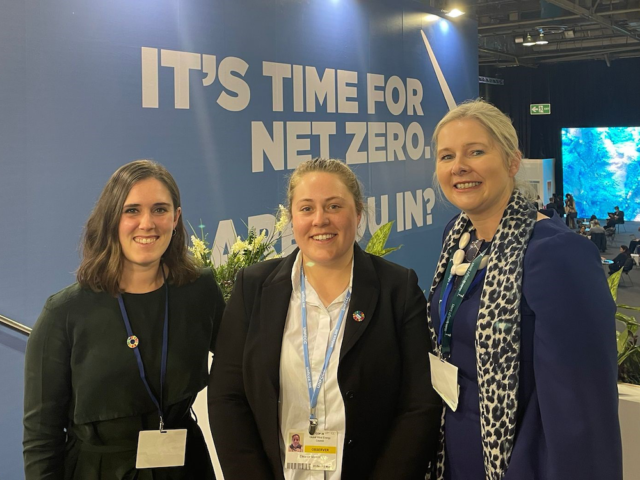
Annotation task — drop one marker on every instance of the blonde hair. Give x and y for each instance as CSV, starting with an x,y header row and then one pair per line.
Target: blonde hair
x,y
330,165
101,265
500,129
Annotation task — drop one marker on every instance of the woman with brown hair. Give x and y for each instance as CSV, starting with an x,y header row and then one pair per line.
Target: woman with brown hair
x,y
115,361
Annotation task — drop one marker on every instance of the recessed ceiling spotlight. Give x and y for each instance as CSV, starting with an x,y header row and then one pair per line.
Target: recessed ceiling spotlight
x,y
529,42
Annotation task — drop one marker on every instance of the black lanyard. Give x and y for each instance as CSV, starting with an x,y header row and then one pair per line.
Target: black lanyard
x,y
165,343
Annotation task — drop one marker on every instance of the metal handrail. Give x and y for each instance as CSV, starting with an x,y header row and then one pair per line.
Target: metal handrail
x,y
15,325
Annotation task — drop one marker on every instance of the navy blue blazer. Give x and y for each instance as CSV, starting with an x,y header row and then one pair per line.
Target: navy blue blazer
x,y
567,421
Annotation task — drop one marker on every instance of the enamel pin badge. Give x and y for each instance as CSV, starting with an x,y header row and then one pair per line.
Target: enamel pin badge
x,y
358,316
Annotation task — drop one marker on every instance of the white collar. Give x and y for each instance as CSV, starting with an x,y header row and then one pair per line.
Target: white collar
x,y
311,293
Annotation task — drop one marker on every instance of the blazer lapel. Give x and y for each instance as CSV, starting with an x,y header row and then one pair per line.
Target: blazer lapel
x,y
274,305
364,298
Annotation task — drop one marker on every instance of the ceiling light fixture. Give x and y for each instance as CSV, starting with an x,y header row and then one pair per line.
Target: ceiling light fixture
x,y
541,40
454,13
529,42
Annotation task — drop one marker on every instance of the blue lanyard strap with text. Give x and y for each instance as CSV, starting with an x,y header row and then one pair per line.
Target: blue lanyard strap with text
x,y
165,342
447,314
313,394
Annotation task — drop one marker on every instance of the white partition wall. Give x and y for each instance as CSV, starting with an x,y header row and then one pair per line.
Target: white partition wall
x,y
539,172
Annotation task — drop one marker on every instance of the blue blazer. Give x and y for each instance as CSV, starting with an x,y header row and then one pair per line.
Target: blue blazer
x,y
567,414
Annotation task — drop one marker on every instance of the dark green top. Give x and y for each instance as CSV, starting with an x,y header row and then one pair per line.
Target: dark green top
x,y
81,376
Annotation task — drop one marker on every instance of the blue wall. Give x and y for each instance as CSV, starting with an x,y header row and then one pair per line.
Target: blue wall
x,y
88,86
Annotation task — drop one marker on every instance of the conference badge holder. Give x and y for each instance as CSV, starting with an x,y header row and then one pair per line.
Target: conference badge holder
x,y
161,448
444,378
317,452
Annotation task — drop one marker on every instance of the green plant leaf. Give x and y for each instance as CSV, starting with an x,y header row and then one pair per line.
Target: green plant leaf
x,y
630,322
626,354
628,307
387,251
622,338
614,280
377,242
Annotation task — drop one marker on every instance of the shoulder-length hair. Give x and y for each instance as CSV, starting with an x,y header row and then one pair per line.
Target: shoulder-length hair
x,y
102,257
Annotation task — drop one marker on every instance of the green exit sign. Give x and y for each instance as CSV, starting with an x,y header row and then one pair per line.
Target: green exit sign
x,y
540,109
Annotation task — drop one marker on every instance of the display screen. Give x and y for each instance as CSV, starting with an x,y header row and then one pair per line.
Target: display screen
x,y
601,169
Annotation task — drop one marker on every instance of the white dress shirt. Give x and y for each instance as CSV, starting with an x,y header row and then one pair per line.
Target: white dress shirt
x,y
294,394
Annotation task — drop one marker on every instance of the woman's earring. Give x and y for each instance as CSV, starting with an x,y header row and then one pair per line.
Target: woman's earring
x,y
174,233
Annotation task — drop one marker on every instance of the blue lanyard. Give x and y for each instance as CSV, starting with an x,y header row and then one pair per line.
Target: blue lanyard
x,y
447,315
165,342
313,394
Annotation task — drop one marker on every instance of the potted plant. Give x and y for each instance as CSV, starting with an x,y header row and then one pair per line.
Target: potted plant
x,y
627,339
257,247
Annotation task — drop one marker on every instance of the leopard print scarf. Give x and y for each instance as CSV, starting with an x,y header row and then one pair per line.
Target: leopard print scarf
x,y
497,331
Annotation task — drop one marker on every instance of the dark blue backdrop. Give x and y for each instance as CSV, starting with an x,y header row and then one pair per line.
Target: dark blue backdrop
x,y
75,107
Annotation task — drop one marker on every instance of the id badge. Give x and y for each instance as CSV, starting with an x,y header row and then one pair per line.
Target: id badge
x,y
161,448
444,378
311,452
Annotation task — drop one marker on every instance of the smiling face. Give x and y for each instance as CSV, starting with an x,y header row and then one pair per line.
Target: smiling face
x,y
324,219
471,169
146,224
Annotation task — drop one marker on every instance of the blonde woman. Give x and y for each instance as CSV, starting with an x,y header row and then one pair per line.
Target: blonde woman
x,y
329,342
535,366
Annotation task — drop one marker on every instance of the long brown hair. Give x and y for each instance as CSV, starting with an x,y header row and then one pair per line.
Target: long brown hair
x,y
101,265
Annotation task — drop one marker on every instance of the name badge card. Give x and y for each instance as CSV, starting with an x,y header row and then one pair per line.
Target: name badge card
x,y
311,452
161,448
444,378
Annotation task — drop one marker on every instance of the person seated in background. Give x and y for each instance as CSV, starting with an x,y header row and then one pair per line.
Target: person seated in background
x,y
620,260
634,244
596,227
592,219
582,230
615,217
552,204
598,235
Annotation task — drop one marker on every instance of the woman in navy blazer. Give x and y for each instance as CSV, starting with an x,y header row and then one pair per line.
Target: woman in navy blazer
x,y
536,366
392,414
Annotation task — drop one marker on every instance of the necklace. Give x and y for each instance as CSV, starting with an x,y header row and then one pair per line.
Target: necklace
x,y
473,248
